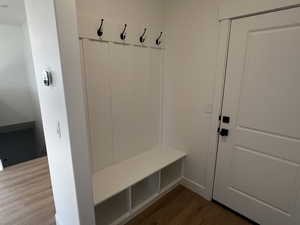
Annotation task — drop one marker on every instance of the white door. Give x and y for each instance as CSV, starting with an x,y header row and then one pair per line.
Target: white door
x,y
258,173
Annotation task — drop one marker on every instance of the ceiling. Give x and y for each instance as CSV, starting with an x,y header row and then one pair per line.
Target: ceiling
x,y
12,12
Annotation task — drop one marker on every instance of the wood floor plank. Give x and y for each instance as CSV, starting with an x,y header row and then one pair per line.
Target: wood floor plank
x,y
183,207
26,195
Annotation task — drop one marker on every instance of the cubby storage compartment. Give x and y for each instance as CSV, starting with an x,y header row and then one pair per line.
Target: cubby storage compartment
x,y
145,190
171,174
113,210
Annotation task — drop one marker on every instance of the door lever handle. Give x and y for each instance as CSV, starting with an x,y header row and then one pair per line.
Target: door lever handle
x,y
224,132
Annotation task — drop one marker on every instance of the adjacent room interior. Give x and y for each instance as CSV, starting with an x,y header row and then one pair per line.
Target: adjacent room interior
x,y
25,188
21,128
165,112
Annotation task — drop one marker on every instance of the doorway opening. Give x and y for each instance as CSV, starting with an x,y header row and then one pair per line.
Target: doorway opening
x,y
24,170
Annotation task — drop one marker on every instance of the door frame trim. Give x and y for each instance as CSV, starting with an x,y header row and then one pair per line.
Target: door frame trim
x,y
224,38
236,8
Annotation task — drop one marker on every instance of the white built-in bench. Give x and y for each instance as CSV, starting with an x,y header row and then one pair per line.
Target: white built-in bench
x,y
122,190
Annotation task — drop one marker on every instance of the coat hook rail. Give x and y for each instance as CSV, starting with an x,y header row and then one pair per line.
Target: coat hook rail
x,y
105,33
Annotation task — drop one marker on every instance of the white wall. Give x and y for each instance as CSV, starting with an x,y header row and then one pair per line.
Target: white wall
x,y
119,11
192,42
53,35
16,101
18,92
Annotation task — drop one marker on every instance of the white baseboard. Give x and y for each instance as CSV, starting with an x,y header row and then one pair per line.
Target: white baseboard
x,y
195,187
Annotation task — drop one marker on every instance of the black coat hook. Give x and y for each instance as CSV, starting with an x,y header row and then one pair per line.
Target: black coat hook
x,y
142,38
158,41
100,30
123,34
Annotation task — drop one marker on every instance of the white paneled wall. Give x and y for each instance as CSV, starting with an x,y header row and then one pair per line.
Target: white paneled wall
x,y
189,61
124,101
99,108
123,85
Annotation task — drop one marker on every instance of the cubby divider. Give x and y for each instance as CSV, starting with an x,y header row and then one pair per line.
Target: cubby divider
x,y
145,190
170,175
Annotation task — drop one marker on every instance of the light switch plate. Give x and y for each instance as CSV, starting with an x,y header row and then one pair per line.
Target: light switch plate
x,y
208,108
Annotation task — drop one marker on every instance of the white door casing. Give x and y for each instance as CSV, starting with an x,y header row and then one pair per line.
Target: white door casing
x,y
258,171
